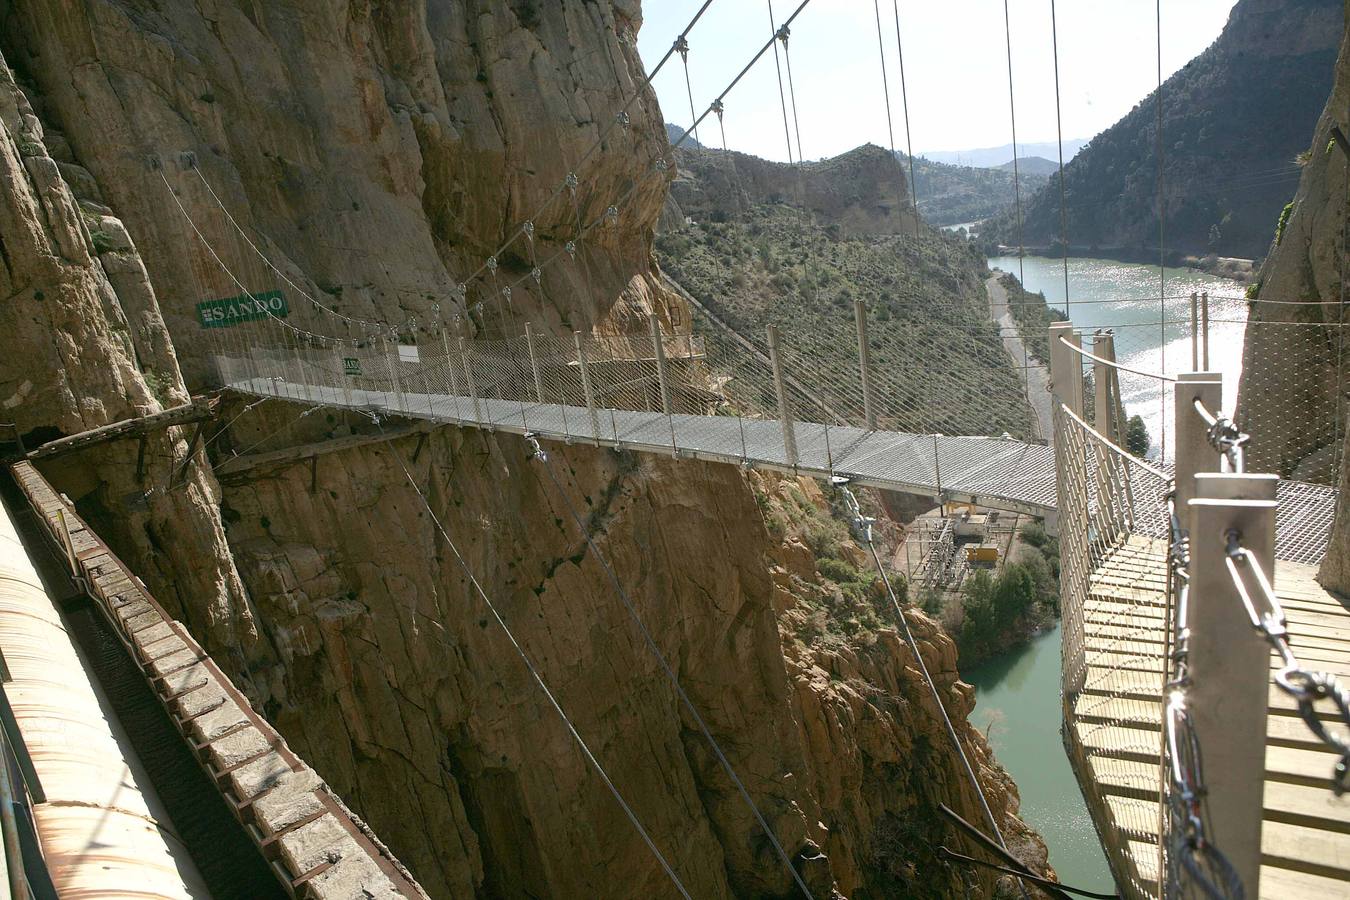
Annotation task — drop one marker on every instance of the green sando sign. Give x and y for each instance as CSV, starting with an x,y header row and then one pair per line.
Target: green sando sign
x,y
245,308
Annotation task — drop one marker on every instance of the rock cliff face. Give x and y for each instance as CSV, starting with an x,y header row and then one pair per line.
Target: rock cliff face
x,y
1288,396
376,154
1233,119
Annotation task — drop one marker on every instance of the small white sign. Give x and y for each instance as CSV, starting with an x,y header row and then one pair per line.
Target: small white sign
x,y
407,353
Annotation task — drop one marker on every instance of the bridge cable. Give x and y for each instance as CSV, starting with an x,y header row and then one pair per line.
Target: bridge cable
x,y
237,227
1162,249
1017,199
778,66
885,82
904,100
1059,135
783,34
863,530
270,315
539,454
619,118
682,46
538,679
716,103
1017,188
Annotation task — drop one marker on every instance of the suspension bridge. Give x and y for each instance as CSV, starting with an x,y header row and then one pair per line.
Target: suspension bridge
x,y
1189,602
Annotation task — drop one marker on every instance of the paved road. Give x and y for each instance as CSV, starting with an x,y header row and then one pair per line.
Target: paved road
x,y
1038,379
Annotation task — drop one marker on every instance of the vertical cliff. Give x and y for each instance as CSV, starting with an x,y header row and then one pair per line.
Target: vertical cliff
x,y
376,154
1292,373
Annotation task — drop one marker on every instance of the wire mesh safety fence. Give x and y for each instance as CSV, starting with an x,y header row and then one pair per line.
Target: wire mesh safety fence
x,y
1113,533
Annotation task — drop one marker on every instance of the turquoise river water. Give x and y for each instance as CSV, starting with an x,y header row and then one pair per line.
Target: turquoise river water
x,y
1018,693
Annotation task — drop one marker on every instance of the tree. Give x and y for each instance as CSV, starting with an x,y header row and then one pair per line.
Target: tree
x,y
1136,436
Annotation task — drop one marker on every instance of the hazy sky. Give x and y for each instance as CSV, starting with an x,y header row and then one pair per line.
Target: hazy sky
x,y
956,68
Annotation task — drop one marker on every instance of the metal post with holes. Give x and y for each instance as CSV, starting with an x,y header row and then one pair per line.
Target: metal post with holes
x,y
1066,389
1204,331
534,363
1103,408
1191,449
452,382
586,387
1195,332
780,389
662,376
1229,661
468,382
865,364
1066,367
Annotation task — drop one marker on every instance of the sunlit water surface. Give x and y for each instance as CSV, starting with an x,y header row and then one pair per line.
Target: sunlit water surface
x,y
1018,703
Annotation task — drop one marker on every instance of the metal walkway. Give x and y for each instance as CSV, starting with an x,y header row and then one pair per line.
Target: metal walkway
x,y
991,472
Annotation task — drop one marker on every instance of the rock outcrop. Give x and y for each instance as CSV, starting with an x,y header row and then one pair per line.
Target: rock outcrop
x,y
1288,398
376,155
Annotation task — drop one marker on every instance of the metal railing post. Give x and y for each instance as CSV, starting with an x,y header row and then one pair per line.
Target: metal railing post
x,y
534,363
1204,331
1066,368
780,389
1229,662
865,364
1066,388
1195,332
468,381
586,387
1191,449
1104,413
662,376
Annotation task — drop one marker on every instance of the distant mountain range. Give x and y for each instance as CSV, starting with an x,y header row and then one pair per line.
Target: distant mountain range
x,y
1235,119
995,157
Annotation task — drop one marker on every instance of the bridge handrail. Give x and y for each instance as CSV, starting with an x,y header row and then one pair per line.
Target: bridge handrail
x,y
1113,364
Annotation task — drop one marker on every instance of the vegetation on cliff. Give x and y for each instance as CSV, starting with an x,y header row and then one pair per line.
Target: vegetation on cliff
x,y
937,358
952,195
1233,120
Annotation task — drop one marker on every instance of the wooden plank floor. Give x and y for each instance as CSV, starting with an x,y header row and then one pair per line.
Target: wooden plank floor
x,y
1114,730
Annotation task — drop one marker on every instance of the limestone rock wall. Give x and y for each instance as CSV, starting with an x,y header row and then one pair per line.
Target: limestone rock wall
x,y
376,153
1288,395
85,346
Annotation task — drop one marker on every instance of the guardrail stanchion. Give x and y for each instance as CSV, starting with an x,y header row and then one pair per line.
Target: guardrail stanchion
x,y
1066,388
534,363
1192,451
468,381
587,388
780,390
1195,332
1103,406
1229,662
865,364
1204,331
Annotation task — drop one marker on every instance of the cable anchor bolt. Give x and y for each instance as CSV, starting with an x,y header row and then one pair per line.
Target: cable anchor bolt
x,y
492,263
571,248
623,119
528,229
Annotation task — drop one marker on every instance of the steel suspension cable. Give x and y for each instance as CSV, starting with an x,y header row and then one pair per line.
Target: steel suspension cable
x,y
717,101
885,82
600,140
538,678
904,101
778,66
863,528
1059,136
1162,248
673,678
1012,112
792,89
